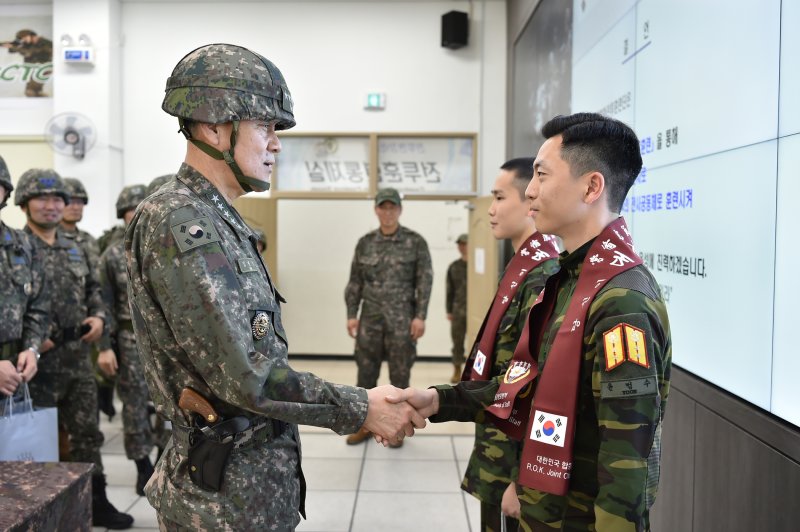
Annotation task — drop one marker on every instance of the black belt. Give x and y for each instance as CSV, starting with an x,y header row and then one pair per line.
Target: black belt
x,y
261,430
10,349
69,334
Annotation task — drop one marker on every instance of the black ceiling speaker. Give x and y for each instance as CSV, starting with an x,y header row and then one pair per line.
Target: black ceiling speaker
x,y
455,29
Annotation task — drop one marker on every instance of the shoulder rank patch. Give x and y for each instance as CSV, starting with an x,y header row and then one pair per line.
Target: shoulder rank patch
x,y
625,342
193,233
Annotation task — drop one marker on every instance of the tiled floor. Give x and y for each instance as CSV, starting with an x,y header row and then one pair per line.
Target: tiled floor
x,y
352,488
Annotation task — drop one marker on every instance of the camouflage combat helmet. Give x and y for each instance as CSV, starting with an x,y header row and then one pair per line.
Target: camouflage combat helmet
x,y
38,182
129,198
75,189
220,83
156,183
5,178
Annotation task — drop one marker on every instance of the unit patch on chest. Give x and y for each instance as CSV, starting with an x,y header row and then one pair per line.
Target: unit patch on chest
x,y
193,233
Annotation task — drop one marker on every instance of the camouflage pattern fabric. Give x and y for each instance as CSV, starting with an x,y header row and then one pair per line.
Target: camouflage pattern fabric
x,y
64,379
24,298
206,315
109,236
156,183
87,243
38,182
75,189
456,304
36,53
390,278
617,447
132,388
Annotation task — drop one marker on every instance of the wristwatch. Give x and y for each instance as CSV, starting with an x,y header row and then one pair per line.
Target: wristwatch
x,y
35,352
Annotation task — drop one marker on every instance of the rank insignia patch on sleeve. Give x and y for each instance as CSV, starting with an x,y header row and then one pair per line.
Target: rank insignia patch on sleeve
x,y
625,342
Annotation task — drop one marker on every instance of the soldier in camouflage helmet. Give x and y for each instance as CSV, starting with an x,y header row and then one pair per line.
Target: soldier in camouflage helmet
x,y
456,305
598,353
120,355
207,316
34,49
77,315
390,280
24,304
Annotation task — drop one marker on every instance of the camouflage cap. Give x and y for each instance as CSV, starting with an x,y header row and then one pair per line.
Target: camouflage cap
x,y
5,177
463,238
129,198
220,83
21,34
39,182
388,194
156,183
75,188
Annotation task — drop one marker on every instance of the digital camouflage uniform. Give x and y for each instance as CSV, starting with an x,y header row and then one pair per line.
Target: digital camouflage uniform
x,y
36,53
24,298
617,445
457,306
495,458
64,379
197,282
207,316
391,278
131,385
76,190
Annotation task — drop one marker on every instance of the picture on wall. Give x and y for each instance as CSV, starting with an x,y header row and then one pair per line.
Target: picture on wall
x,y
26,56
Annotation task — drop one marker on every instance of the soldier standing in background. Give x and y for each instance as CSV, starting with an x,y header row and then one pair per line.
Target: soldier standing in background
x,y
456,305
73,214
587,387
24,300
207,316
390,279
121,355
34,49
78,313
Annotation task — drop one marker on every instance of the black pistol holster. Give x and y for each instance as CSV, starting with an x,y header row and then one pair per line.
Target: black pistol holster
x,y
209,450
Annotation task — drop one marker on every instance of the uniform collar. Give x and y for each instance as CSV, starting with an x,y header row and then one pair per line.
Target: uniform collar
x,y
573,261
201,186
61,240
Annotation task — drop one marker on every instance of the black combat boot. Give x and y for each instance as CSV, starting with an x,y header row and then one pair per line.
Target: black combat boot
x,y
105,400
103,512
144,470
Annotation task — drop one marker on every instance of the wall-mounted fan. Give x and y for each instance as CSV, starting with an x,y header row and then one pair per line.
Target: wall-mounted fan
x,y
70,134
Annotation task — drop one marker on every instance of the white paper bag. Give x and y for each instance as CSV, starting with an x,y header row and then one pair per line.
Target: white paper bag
x,y
27,433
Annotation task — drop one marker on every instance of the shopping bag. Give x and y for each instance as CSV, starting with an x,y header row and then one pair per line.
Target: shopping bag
x,y
27,433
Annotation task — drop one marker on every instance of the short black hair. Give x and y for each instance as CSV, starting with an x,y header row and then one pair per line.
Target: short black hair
x,y
522,168
593,142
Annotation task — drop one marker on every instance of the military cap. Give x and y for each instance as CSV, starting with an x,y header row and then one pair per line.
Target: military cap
x,y
5,177
462,238
129,198
220,83
156,183
39,182
388,194
75,189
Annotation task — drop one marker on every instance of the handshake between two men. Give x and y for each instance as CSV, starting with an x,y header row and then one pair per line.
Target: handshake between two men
x,y
394,413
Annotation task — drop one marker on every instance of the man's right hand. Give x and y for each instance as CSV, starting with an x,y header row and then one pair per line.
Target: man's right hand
x,y
47,345
352,327
107,362
391,421
425,402
10,378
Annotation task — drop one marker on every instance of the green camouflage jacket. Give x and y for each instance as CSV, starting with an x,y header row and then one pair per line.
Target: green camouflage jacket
x,y
109,236
390,274
456,302
38,52
207,316
24,298
495,457
617,447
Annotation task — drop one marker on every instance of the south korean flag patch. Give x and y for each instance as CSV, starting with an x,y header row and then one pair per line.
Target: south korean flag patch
x,y
480,362
549,428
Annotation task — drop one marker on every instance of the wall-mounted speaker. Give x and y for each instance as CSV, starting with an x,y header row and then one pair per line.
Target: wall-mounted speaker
x,y
455,29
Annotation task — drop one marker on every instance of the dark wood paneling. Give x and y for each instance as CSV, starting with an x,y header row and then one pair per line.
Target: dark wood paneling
x,y
740,484
673,507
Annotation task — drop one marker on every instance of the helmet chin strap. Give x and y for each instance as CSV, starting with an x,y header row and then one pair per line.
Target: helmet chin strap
x,y
248,184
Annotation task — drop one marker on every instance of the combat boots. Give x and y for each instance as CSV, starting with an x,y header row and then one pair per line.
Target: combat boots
x,y
358,437
105,400
144,470
456,374
103,512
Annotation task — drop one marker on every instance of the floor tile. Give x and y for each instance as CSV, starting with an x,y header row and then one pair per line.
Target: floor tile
x,y
144,515
331,445
332,473
463,446
419,447
328,511
410,476
390,512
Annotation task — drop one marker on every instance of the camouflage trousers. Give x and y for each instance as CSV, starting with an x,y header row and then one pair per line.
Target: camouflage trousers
x,y
458,332
133,393
383,338
65,381
542,512
492,519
